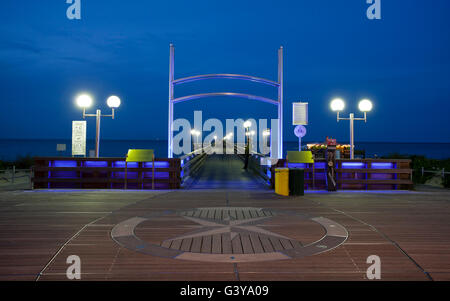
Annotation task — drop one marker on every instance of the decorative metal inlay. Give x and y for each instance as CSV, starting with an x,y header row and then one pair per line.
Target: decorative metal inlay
x,y
230,234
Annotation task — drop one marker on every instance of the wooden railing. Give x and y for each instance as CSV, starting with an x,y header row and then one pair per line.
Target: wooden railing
x,y
358,174
106,173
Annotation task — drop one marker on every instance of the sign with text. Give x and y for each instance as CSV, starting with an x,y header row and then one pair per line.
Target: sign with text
x,y
79,138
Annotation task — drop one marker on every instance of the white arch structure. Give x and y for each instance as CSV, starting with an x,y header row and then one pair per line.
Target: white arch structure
x,y
278,102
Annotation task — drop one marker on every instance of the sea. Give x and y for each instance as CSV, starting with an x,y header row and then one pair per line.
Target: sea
x,y
12,149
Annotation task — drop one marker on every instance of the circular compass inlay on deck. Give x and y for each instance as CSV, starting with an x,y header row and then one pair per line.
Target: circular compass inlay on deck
x,y
229,234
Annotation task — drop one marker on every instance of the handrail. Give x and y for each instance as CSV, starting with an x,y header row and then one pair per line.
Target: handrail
x,y
437,171
255,165
190,163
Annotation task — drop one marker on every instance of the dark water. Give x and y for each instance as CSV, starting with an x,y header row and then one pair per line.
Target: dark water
x,y
10,149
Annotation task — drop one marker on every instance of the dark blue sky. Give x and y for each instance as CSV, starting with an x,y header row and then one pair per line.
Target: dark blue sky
x,y
401,62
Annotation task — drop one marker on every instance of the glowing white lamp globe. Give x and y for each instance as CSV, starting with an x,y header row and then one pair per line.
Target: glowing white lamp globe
x,y
365,105
337,105
113,102
247,124
84,101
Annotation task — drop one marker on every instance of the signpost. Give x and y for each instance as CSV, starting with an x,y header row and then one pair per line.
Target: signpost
x,y
79,138
300,132
331,164
300,119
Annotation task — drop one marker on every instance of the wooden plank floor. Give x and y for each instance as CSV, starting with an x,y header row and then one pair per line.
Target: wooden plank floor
x,y
409,231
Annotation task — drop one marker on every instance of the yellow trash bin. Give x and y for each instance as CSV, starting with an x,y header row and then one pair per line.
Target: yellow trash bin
x,y
282,181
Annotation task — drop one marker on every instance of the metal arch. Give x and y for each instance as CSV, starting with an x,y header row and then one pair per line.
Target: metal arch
x,y
226,76
241,95
279,103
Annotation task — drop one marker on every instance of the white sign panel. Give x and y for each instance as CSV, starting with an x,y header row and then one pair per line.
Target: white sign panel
x,y
300,113
61,147
79,138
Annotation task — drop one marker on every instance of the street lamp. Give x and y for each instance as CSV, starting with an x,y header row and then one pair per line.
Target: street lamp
x,y
247,125
266,133
84,101
195,133
364,106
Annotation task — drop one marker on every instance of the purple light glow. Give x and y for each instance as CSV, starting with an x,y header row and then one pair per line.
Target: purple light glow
x,y
157,164
158,175
353,165
96,164
63,164
121,164
382,165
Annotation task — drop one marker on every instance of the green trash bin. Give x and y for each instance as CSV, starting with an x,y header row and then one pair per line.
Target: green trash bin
x,y
296,181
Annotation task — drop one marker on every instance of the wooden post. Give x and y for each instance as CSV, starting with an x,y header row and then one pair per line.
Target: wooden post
x,y
153,172
126,170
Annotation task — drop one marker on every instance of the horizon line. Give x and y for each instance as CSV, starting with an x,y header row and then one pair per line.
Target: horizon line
x,y
158,139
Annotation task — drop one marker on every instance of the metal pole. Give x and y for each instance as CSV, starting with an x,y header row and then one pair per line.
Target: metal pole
x,y
280,103
171,77
97,133
352,146
13,174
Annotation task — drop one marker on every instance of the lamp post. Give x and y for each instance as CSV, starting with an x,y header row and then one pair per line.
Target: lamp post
x,y
364,106
266,133
84,101
195,133
247,125
249,135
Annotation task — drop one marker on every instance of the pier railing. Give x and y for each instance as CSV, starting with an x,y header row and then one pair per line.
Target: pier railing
x,y
255,163
106,173
190,165
358,174
14,175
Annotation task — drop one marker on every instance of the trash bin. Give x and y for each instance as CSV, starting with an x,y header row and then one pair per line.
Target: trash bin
x,y
297,181
282,181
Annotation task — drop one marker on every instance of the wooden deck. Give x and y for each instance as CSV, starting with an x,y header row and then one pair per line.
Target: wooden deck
x,y
409,231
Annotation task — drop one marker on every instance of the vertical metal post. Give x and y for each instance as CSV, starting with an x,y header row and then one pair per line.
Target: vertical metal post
x,y
171,77
97,133
352,145
280,103
13,174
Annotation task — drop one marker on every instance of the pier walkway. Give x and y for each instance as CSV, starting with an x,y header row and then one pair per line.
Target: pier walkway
x,y
225,172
